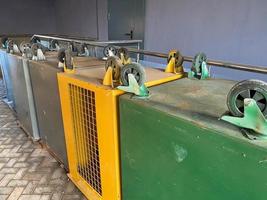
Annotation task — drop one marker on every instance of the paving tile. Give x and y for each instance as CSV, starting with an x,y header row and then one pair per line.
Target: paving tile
x,y
32,176
30,197
21,164
11,162
30,187
1,176
57,182
28,172
3,197
16,193
6,190
58,173
56,196
16,183
20,173
71,197
45,197
70,187
5,180
43,190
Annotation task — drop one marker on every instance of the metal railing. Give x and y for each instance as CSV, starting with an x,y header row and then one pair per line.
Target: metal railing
x,y
216,63
94,43
138,51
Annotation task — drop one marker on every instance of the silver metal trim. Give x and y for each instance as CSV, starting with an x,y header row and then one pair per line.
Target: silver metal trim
x,y
35,130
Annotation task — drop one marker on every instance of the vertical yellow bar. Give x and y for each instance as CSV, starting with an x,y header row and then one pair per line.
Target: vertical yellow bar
x,y
79,138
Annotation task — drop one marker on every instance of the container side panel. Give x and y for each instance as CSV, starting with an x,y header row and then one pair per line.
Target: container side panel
x,y
164,157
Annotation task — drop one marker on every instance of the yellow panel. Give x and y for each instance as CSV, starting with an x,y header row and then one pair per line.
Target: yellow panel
x,y
90,117
90,123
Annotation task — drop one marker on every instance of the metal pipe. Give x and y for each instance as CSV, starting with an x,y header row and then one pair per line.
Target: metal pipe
x,y
15,35
148,53
93,43
243,67
229,65
216,63
138,54
236,66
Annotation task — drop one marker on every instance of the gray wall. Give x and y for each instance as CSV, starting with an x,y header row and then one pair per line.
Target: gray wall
x,y
27,16
84,18
102,19
230,30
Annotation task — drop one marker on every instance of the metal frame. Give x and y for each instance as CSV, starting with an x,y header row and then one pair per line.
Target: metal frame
x,y
106,106
2,72
96,43
47,103
216,63
23,95
106,112
178,149
52,35
138,51
32,109
93,43
7,78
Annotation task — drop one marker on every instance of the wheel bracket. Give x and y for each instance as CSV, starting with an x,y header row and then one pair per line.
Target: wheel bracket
x,y
108,78
67,64
199,69
253,119
175,61
124,56
141,91
124,59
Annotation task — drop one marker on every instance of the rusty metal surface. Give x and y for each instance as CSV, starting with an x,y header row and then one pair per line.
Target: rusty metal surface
x,y
206,97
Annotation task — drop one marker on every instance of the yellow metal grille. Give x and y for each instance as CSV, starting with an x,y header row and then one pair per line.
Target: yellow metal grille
x,y
85,134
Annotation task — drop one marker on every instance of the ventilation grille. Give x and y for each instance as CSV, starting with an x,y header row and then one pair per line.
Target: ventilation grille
x,y
85,132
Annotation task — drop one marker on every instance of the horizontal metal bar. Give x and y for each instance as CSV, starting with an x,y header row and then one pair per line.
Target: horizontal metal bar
x,y
52,35
216,63
15,35
236,66
72,37
148,53
94,43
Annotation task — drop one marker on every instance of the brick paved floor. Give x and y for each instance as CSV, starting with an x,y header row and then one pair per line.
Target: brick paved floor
x,y
28,172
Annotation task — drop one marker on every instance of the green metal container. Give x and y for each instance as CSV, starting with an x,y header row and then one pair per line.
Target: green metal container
x,y
173,146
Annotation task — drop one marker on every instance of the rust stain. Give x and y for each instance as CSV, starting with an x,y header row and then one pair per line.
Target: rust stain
x,y
184,105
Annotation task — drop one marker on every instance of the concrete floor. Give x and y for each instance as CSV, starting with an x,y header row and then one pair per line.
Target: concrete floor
x,y
28,172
